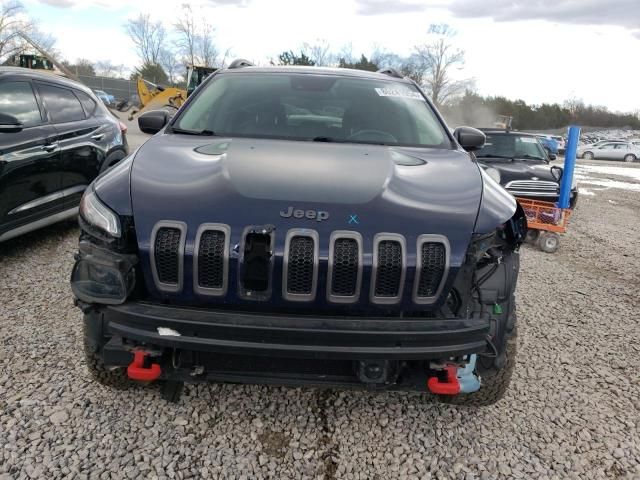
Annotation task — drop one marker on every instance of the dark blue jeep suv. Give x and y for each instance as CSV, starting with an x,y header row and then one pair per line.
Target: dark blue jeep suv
x,y
295,225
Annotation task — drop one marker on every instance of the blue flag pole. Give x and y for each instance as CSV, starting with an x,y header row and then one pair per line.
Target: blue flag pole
x,y
569,165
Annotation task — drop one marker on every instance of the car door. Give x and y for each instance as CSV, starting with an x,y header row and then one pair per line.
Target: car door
x,y
605,151
30,178
620,150
79,138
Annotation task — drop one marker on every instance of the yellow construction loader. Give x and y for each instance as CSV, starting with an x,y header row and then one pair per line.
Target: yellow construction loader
x,y
156,97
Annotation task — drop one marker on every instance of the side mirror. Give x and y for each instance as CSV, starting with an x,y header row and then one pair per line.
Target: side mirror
x,y
154,121
470,139
10,124
552,156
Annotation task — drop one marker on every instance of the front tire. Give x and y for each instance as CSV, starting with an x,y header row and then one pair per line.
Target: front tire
x,y
113,378
494,380
588,155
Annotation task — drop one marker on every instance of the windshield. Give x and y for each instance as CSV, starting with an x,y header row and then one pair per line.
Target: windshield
x,y
512,146
324,108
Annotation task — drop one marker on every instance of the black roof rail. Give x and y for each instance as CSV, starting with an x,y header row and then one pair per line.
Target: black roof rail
x,y
392,72
240,63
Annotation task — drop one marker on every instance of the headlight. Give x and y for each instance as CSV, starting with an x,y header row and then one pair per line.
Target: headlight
x,y
96,214
494,174
101,276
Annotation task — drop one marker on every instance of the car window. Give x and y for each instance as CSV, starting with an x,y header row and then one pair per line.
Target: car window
x,y
321,107
87,103
512,146
621,146
61,103
17,99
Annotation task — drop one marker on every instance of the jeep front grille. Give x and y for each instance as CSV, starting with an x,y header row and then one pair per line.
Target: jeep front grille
x,y
345,267
300,268
167,253
388,268
431,267
211,259
300,272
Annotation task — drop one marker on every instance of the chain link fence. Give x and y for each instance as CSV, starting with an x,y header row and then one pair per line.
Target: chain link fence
x,y
121,89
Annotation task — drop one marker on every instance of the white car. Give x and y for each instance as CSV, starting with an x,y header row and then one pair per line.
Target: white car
x,y
626,151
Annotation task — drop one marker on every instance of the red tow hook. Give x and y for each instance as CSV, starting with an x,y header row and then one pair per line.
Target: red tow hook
x,y
137,371
451,386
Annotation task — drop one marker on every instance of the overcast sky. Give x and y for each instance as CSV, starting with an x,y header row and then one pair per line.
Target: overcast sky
x,y
536,50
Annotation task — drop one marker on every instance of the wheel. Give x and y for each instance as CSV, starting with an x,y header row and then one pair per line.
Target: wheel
x,y
549,242
588,155
109,377
111,160
495,372
171,390
532,236
630,158
494,380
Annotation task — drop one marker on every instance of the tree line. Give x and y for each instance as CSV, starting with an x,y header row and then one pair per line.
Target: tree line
x,y
436,64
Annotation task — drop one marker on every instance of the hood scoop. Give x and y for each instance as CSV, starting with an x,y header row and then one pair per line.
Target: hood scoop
x,y
308,172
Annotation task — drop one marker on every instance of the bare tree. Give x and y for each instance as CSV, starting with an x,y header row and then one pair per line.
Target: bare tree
x,y
433,62
208,52
81,66
186,28
171,65
105,68
195,38
148,37
319,52
11,21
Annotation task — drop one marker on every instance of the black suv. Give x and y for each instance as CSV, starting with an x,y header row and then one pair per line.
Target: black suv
x,y
297,225
520,163
56,136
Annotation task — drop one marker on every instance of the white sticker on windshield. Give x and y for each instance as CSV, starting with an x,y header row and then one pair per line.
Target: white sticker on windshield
x,y
392,92
528,140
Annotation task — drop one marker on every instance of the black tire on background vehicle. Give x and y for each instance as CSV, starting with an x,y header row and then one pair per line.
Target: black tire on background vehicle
x,y
549,242
630,158
532,236
111,160
111,378
588,155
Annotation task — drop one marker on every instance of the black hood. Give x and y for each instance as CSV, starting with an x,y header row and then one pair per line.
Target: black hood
x,y
523,170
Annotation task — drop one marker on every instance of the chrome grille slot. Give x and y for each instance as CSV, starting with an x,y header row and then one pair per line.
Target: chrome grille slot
x,y
542,188
300,273
432,263
167,255
211,259
389,268
344,277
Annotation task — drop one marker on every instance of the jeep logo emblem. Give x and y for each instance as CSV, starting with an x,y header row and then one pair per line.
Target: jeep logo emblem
x,y
318,215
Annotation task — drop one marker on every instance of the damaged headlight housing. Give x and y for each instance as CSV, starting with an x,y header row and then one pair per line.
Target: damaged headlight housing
x,y
101,276
98,215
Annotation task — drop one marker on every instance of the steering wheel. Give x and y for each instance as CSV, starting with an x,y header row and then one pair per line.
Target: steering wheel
x,y
379,134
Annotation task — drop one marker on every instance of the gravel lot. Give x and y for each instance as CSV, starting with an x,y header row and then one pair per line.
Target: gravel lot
x,y
572,410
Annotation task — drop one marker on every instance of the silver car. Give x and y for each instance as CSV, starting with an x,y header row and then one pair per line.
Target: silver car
x,y
626,151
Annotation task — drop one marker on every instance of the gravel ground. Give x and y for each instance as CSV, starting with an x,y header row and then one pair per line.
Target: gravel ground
x,y
572,410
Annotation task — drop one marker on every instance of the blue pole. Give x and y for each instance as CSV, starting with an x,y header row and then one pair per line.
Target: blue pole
x,y
569,164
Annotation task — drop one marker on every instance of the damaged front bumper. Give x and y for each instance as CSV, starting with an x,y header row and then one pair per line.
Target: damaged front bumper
x,y
226,346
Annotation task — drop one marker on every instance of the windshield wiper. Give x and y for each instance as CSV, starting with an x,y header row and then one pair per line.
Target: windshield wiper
x,y
204,133
530,157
